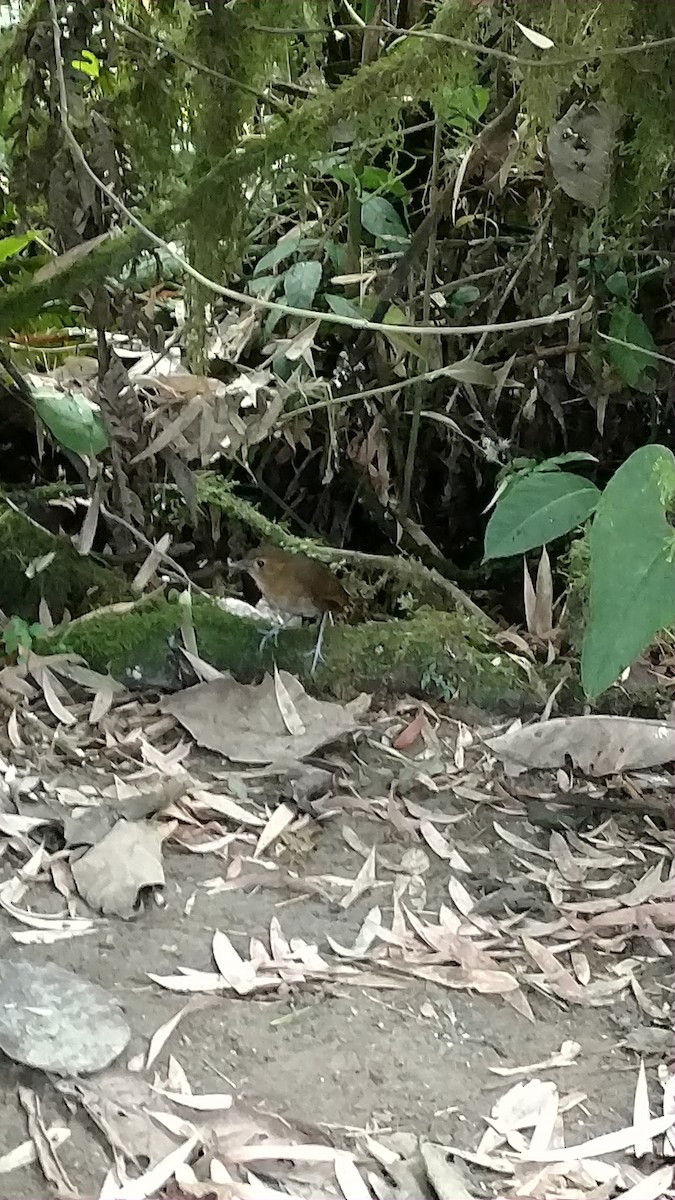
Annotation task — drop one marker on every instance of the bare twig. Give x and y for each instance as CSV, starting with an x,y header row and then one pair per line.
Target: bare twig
x,y
387,389
329,318
415,571
534,245
488,51
198,66
149,545
638,349
464,279
426,309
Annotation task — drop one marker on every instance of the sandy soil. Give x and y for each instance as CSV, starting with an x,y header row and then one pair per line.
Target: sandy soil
x,y
415,1060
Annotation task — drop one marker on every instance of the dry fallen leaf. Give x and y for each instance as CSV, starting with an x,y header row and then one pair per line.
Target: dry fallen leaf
x,y
540,40
127,860
580,149
161,1036
598,745
244,722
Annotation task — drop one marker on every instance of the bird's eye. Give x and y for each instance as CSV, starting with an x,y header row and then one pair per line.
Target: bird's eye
x,y
259,563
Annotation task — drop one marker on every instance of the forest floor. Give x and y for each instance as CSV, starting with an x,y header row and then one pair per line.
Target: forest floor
x,y
411,1037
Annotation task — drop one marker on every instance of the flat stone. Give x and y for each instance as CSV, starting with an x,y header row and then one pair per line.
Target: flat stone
x,y
52,1019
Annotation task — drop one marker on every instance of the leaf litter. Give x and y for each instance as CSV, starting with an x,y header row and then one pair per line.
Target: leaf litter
x,y
422,786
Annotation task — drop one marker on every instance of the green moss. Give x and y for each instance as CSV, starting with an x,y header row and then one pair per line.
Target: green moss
x,y
68,581
443,655
637,85
370,102
576,564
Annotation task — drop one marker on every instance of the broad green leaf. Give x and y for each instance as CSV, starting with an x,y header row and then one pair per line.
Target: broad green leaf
x,y
17,635
403,342
381,219
560,460
629,327
343,307
336,256
10,246
284,248
88,64
617,285
300,283
345,174
263,285
376,179
72,419
469,102
632,571
537,508
467,294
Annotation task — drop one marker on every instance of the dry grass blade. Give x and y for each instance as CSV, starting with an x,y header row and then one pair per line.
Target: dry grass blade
x,y
365,879
542,625
156,1177
289,713
226,806
193,981
607,1143
368,933
280,819
352,1183
560,980
529,598
52,922
55,706
305,1153
440,846
102,703
148,568
669,1111
237,973
25,1154
213,1102
45,1149
565,1057
641,1115
204,670
161,1036
652,1187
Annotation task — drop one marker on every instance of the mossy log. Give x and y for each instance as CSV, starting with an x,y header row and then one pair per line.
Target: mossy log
x,y
70,581
437,654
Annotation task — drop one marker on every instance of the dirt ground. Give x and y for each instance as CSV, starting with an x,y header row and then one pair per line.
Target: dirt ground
x,y
344,1057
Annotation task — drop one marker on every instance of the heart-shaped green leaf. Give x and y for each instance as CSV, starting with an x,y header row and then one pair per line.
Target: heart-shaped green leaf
x,y
537,508
72,419
632,567
300,283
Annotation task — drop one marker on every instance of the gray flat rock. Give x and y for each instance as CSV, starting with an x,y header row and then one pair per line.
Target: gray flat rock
x,y
55,1021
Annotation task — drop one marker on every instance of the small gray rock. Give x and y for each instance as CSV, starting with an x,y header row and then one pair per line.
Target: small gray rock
x,y
55,1021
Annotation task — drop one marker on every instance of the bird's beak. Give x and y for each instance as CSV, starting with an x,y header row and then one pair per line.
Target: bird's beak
x,y
238,564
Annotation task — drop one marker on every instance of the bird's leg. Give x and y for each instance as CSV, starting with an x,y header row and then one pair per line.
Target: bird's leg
x,y
272,635
315,654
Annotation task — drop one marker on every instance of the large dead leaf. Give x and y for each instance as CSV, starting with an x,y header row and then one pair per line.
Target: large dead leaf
x,y
580,146
244,722
120,1105
111,875
598,745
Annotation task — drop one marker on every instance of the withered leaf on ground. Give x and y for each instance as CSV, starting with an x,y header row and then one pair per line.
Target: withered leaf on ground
x,y
244,722
111,875
598,745
119,1103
